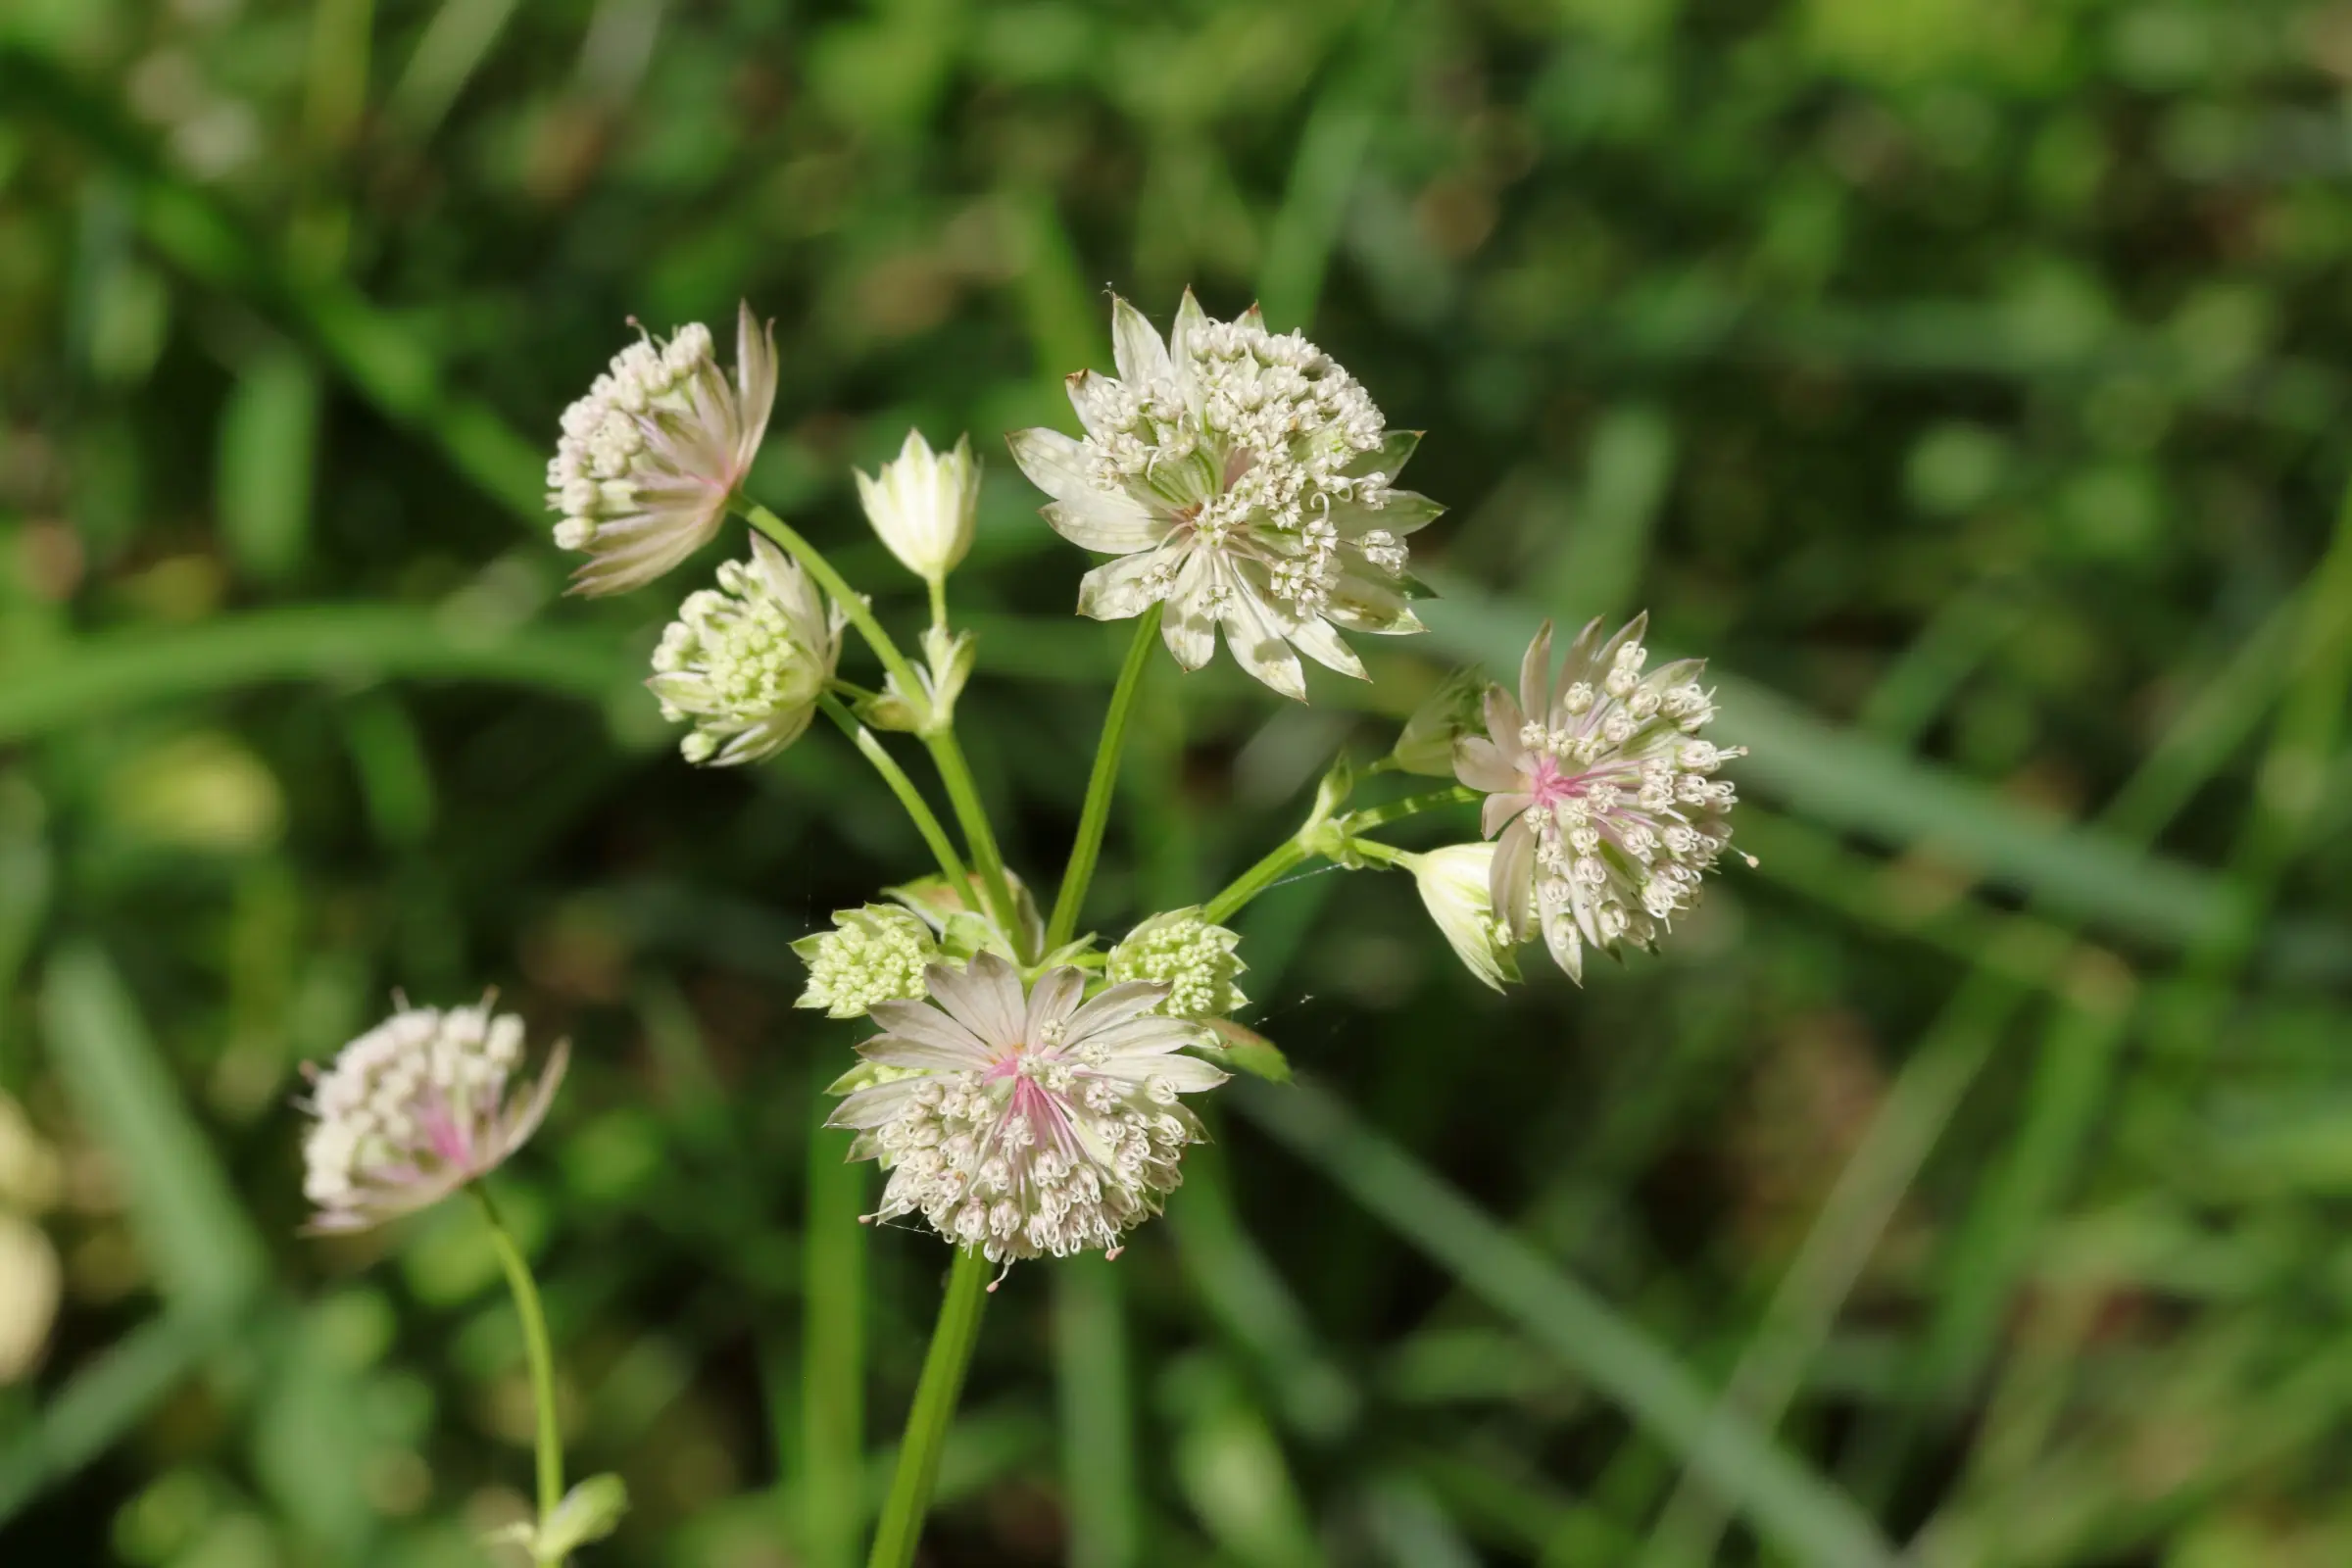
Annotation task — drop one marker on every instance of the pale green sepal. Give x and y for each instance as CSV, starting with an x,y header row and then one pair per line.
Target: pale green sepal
x,y
1241,1049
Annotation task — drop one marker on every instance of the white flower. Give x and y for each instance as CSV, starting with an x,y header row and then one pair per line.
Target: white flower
x,y
650,457
1455,884
1245,479
1025,1123
875,953
1603,799
745,661
1183,952
922,503
416,1108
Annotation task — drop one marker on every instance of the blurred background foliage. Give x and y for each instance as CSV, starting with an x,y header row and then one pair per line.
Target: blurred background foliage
x,y
1965,378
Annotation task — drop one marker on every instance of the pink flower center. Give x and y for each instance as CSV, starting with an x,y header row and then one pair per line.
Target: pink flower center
x,y
1549,786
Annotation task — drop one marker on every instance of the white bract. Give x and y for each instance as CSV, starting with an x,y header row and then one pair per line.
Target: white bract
x,y
1601,791
922,505
416,1108
1245,481
745,661
1026,1122
1456,887
648,460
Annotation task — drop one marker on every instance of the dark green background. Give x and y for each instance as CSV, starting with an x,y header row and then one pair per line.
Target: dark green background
x,y
1964,377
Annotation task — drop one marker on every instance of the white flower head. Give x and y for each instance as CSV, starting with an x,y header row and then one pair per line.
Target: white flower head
x,y
1456,885
875,953
1603,793
1025,1122
745,661
648,460
922,505
1244,479
416,1108
1183,952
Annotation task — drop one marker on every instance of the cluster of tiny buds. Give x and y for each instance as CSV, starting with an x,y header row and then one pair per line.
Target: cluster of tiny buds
x,y
876,953
1279,424
591,476
978,1175
745,661
1194,959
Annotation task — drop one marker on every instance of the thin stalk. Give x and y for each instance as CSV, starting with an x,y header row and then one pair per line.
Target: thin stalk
x,y
833,1355
1102,784
919,809
537,1352
939,601
1250,882
1413,806
935,1397
965,796
952,770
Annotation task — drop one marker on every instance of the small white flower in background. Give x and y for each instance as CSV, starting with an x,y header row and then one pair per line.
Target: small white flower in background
x,y
416,1108
745,661
875,953
922,505
1455,884
1603,793
30,1277
1243,478
650,457
1193,958
1024,1122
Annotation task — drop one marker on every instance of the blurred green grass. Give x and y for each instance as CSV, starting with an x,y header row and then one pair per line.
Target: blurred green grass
x,y
1964,381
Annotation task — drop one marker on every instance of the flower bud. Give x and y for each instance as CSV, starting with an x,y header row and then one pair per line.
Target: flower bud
x,y
1451,712
1454,884
745,662
876,953
1193,958
922,505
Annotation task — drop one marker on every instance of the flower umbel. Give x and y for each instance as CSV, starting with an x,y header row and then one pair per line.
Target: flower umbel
x,y
922,505
416,1108
1243,478
875,953
745,661
650,457
1025,1122
1602,794
1183,952
1456,886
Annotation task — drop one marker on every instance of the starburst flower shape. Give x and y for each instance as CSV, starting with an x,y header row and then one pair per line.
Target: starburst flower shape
x,y
649,459
1244,479
745,661
1026,1122
1601,792
416,1108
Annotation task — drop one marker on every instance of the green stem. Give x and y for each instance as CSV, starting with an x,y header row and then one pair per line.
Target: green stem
x,y
1250,882
972,816
935,1397
1384,853
952,770
919,809
939,601
1413,806
1096,813
537,1352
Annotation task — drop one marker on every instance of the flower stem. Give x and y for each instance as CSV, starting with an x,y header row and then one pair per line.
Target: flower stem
x,y
953,770
1411,805
537,1352
935,1397
1250,882
1105,781
972,816
939,601
919,809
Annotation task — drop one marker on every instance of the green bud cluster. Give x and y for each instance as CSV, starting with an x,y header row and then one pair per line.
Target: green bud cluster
x,y
875,953
1191,957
